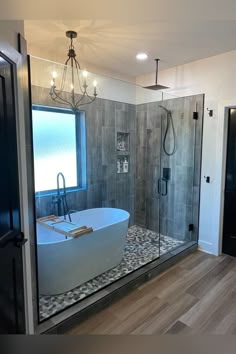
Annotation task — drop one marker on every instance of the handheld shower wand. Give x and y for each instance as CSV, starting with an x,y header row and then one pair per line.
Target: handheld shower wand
x,y
169,122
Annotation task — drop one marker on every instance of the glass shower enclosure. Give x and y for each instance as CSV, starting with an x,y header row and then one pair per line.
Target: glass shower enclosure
x,y
168,169
132,150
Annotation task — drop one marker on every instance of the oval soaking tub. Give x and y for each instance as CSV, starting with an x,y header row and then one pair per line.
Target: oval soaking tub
x,y
65,263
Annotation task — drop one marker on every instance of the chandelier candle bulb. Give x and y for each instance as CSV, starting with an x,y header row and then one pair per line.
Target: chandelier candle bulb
x,y
54,75
51,88
95,88
85,75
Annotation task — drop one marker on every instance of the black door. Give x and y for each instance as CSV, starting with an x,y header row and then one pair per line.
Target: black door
x,y
229,231
12,317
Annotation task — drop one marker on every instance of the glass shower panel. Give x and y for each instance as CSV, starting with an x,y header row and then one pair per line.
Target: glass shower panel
x,y
178,139
148,136
100,155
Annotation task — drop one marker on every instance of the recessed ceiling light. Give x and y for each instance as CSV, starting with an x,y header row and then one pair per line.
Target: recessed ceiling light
x,y
141,56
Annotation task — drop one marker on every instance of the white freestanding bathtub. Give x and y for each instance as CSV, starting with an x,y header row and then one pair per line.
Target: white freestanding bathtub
x,y
65,263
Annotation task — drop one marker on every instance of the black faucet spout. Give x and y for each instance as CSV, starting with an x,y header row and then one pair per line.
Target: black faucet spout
x,y
60,198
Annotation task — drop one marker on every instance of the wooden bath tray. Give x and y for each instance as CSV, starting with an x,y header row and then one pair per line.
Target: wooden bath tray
x,y
64,227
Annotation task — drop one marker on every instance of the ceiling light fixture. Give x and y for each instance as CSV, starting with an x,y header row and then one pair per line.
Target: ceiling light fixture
x,y
74,78
141,56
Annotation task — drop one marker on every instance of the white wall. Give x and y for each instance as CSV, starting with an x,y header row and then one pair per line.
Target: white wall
x,y
214,76
9,31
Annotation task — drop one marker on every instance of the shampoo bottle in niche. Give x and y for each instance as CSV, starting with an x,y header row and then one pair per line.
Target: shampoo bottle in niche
x,y
125,166
118,166
121,166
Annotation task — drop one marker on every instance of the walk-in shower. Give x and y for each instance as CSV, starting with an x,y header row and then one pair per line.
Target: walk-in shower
x,y
132,150
168,167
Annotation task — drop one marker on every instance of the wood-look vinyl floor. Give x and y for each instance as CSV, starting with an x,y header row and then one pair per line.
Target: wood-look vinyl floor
x,y
197,295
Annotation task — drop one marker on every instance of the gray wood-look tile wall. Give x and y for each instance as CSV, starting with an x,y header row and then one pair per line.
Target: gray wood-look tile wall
x,y
137,191
105,188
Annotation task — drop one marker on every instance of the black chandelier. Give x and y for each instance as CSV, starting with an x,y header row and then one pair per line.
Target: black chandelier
x,y
77,80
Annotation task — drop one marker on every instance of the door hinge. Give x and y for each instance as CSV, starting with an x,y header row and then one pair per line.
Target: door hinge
x,y
195,115
190,227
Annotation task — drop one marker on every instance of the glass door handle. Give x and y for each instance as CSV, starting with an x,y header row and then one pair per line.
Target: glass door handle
x,y
166,187
159,186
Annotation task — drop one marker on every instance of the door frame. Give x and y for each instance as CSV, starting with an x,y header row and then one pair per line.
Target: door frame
x,y
17,60
222,138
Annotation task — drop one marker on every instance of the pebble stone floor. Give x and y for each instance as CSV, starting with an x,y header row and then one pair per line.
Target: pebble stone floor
x,y
142,247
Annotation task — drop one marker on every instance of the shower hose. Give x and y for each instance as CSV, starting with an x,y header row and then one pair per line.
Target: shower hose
x,y
169,124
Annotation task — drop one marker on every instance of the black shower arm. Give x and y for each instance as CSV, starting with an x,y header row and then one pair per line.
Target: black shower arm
x,y
157,61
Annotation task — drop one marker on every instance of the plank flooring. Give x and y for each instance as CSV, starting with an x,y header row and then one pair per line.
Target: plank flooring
x,y
197,295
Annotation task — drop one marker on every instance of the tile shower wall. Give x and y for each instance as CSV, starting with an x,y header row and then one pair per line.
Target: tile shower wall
x,y
148,136
105,188
137,191
181,206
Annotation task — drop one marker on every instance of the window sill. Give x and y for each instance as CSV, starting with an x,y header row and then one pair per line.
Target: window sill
x,y
54,192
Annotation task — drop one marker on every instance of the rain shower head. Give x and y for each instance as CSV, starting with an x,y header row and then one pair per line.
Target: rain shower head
x,y
156,86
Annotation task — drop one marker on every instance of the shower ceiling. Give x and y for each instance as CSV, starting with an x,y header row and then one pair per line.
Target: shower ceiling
x,y
112,46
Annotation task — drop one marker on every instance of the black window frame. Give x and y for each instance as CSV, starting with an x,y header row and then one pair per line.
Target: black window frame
x,y
81,156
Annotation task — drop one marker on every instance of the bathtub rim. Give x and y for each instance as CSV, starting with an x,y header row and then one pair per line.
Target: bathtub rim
x,y
69,238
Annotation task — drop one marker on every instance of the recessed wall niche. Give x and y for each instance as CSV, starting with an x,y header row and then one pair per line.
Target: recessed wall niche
x,y
122,142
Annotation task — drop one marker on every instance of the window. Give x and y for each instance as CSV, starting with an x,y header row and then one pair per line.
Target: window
x,y
59,146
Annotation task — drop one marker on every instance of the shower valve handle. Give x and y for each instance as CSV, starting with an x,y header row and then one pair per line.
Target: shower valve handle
x,y
160,186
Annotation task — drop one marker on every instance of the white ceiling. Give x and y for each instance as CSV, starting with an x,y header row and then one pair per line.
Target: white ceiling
x,y
112,45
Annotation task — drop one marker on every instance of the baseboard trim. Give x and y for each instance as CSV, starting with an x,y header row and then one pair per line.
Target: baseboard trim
x,y
206,247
